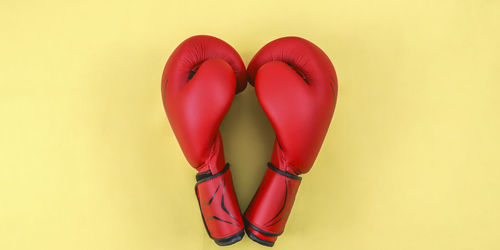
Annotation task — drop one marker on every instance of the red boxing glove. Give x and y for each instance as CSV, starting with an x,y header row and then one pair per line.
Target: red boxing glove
x,y
199,82
296,86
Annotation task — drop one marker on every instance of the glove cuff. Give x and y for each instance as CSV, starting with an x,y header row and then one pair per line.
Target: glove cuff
x,y
267,214
219,207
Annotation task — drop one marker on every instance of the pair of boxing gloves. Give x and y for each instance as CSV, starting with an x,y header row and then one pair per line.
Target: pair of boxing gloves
x,y
296,86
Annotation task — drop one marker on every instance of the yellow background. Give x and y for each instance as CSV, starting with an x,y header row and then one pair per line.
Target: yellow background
x,y
411,160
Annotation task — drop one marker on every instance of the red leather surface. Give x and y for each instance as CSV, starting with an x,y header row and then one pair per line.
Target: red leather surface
x,y
299,111
196,107
296,85
199,82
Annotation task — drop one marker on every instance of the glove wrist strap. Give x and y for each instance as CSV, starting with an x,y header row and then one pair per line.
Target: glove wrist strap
x,y
267,214
219,207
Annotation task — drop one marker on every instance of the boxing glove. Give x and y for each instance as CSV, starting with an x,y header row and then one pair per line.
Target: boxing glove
x,y
199,82
296,86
